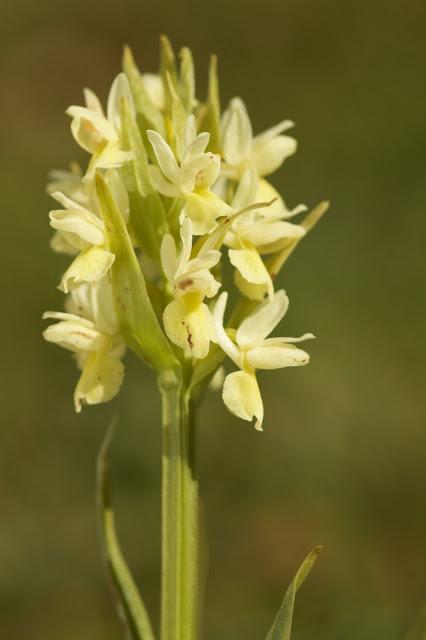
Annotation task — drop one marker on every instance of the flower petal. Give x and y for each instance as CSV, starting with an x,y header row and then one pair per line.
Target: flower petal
x,y
251,291
251,267
203,209
78,225
169,257
269,156
276,357
237,134
110,157
165,156
90,128
272,132
221,337
89,266
264,232
119,89
241,395
92,101
162,185
74,334
259,324
100,381
189,327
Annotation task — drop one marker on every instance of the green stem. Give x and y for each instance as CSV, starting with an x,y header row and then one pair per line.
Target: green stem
x,y
179,615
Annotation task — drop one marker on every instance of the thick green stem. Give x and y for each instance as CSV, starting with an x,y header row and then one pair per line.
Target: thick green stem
x,y
179,610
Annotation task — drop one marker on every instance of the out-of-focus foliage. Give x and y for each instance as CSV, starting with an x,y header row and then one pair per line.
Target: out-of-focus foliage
x,y
341,461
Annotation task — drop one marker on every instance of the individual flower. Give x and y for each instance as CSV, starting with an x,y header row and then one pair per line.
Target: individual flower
x,y
187,319
258,231
265,152
191,178
251,349
81,233
99,134
89,329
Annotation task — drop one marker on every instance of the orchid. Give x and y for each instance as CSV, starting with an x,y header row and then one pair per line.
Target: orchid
x,y
252,350
99,134
190,179
173,191
265,152
259,231
187,319
89,329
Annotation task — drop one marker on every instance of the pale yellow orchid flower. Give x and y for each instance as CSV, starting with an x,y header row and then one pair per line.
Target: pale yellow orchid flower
x,y
187,319
265,152
251,350
191,178
257,232
89,329
80,232
99,134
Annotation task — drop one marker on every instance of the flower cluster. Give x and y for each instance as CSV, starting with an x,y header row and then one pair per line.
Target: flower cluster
x,y
173,190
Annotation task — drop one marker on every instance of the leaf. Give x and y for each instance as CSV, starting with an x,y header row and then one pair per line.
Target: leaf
x,y
281,629
147,214
148,115
137,320
130,605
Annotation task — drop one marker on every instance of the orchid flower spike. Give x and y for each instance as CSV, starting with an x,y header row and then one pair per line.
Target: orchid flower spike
x,y
265,152
99,134
190,179
251,350
89,329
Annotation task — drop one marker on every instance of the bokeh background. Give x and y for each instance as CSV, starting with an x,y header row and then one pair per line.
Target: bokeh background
x,y
342,458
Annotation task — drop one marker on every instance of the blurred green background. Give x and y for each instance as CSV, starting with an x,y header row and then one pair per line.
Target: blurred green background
x,y
342,458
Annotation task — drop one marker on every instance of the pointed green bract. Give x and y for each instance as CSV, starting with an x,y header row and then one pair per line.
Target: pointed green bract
x,y
213,107
281,629
147,215
187,80
149,115
136,317
168,68
178,117
130,605
275,263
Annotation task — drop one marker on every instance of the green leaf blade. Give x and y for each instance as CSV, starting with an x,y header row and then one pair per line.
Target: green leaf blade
x,y
281,629
131,607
